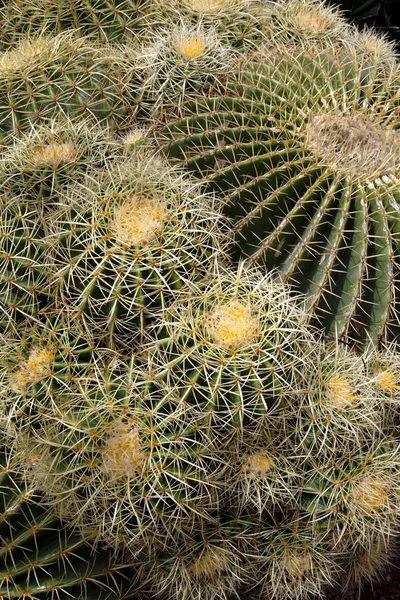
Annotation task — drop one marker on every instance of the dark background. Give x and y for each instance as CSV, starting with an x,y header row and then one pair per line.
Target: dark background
x,y
382,14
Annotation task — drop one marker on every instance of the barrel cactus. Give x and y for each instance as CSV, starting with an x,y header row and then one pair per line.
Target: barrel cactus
x,y
305,151
46,158
47,77
113,20
232,349
39,359
127,239
117,462
243,24
180,61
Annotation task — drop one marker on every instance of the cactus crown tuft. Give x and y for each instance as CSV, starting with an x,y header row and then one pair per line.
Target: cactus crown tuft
x,y
256,464
340,393
53,153
17,58
232,324
138,219
190,46
298,563
370,494
33,369
122,455
208,6
354,144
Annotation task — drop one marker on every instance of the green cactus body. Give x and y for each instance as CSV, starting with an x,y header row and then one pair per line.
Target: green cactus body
x,y
39,559
207,562
121,464
294,561
178,62
38,361
337,399
46,159
305,152
126,240
23,263
311,25
233,349
355,492
242,23
44,78
109,20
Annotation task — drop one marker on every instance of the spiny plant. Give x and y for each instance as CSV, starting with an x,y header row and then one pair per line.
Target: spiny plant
x,y
109,20
306,24
40,359
46,77
370,562
39,163
121,464
294,561
305,152
206,562
127,239
242,23
23,263
232,349
40,559
337,399
180,61
374,47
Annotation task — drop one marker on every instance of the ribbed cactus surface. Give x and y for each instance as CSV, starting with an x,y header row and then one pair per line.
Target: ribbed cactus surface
x,y
40,559
106,19
305,152
47,77
23,272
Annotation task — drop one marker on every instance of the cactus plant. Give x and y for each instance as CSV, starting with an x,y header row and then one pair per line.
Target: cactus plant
x,y
111,20
45,159
177,62
310,25
243,24
304,150
232,349
47,77
39,359
41,560
127,239
119,462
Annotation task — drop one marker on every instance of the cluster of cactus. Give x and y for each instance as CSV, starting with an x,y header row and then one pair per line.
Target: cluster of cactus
x,y
199,374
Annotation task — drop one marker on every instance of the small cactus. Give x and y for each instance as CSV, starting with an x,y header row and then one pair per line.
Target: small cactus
x,y
115,460
127,239
42,161
40,558
47,77
179,62
232,349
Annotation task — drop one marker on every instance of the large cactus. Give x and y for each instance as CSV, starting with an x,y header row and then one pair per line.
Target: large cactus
x,y
305,152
